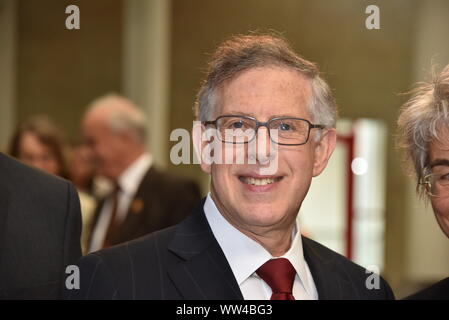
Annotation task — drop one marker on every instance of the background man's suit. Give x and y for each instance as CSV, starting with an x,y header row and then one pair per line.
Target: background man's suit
x,y
186,262
161,200
40,226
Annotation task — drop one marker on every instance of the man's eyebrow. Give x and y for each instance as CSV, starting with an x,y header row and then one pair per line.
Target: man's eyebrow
x,y
240,113
439,162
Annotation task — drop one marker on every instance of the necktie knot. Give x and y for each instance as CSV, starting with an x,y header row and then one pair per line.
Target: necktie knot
x,y
279,274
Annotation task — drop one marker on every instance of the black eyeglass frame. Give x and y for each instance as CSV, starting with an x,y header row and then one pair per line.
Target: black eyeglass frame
x,y
266,125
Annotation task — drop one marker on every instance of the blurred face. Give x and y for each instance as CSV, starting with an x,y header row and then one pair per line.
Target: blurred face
x,y
81,169
439,162
34,153
105,146
250,201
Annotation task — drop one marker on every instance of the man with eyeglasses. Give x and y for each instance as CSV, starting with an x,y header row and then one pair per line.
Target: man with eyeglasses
x,y
261,102
423,128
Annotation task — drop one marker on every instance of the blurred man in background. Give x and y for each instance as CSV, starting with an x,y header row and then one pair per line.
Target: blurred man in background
x,y
143,198
423,128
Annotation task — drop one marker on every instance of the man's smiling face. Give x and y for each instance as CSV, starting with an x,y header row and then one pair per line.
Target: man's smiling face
x,y
251,201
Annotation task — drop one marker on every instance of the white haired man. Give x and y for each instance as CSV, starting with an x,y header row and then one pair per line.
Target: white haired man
x,y
243,242
144,199
423,127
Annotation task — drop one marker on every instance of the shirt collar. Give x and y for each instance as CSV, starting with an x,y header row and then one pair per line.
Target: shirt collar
x,y
245,255
130,179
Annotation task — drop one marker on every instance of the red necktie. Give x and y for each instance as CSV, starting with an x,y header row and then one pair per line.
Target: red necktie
x,y
279,274
113,226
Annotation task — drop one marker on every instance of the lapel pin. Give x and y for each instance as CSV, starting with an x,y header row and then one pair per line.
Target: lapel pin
x,y
137,205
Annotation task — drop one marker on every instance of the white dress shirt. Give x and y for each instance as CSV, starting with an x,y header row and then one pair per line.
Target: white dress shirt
x,y
245,256
128,182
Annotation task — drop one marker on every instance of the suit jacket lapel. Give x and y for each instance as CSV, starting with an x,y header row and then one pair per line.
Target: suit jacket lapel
x,y
330,283
139,208
147,190
204,272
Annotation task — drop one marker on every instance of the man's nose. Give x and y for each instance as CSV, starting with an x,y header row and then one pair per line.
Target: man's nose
x,y
263,150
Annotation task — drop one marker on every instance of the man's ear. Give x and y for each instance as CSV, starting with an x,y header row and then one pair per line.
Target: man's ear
x,y
199,143
323,150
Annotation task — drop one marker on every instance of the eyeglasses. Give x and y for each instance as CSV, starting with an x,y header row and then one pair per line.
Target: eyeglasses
x,y
437,184
285,131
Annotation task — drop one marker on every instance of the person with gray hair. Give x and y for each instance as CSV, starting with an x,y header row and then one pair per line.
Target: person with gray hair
x,y
423,131
141,201
243,241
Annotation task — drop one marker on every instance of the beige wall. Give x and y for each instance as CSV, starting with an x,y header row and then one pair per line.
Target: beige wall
x,y
8,20
60,71
146,69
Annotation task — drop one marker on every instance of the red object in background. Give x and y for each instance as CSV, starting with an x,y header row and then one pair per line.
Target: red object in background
x,y
349,142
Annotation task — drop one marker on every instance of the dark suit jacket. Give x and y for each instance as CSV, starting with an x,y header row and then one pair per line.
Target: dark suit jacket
x,y
438,291
161,200
186,262
40,226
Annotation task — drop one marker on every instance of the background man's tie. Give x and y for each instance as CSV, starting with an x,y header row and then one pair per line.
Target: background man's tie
x,y
113,224
279,274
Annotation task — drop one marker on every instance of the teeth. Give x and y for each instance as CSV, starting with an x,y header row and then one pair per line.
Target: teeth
x,y
258,182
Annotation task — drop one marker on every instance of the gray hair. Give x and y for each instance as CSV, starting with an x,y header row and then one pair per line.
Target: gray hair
x,y
122,114
420,121
244,52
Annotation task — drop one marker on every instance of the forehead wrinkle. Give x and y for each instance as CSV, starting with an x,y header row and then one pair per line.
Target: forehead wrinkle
x,y
291,90
441,143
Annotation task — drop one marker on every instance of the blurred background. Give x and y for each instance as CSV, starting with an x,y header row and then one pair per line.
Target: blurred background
x,y
155,51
